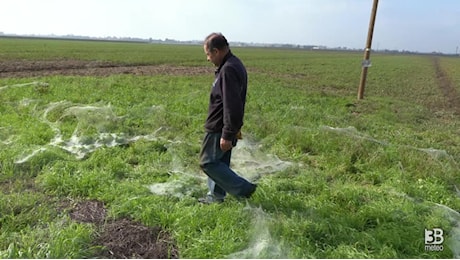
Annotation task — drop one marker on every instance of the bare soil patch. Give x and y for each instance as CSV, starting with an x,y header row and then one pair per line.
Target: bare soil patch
x,y
89,212
124,238
451,95
27,68
127,239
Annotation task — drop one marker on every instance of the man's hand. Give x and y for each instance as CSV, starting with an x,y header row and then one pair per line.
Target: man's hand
x,y
225,145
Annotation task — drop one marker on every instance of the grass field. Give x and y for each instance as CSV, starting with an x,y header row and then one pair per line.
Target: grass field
x,y
338,178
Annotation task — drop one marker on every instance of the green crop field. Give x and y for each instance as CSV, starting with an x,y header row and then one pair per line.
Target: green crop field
x,y
338,177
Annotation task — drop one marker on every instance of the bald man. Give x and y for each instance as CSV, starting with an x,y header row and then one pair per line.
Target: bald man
x,y
224,122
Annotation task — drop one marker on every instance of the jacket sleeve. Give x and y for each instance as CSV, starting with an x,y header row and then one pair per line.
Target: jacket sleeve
x,y
232,103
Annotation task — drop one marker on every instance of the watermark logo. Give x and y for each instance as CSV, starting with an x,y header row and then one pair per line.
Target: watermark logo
x,y
434,239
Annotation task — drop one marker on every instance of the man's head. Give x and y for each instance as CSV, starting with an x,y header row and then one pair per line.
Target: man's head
x,y
216,47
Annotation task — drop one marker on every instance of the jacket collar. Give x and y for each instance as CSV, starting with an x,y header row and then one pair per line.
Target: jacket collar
x,y
227,56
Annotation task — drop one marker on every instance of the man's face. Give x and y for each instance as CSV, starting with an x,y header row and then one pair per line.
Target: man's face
x,y
213,56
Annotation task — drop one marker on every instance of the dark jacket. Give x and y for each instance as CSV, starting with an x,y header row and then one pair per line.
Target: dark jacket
x,y
228,98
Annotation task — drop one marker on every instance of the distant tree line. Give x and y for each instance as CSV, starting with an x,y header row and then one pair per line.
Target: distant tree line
x,y
198,42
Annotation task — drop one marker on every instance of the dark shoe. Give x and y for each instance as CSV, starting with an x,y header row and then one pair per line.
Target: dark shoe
x,y
210,200
251,191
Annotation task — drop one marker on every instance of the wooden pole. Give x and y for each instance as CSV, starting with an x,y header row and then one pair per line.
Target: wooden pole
x,y
367,52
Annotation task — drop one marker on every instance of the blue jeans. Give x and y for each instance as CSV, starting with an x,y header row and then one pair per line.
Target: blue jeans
x,y
216,165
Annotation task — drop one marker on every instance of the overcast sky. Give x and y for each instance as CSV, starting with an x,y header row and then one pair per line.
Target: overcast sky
x,y
416,25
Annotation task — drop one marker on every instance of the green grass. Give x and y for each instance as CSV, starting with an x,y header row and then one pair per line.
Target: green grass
x,y
364,179
120,52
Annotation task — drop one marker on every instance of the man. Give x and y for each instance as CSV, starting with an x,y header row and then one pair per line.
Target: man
x,y
224,122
